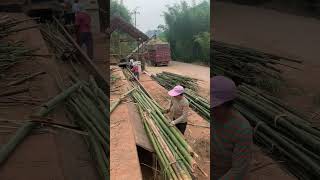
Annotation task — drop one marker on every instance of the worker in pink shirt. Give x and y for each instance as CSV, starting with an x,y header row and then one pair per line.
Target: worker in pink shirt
x,y
135,70
83,27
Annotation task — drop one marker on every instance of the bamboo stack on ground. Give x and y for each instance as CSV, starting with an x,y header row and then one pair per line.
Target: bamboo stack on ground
x,y
283,130
10,25
174,153
52,35
198,103
249,65
186,82
89,107
27,127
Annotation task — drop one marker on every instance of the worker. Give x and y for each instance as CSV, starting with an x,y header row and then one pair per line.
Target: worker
x,y
178,110
69,16
135,70
231,133
76,6
131,63
83,28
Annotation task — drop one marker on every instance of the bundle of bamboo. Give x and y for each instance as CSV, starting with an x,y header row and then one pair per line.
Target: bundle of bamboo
x,y
198,103
63,48
174,153
9,25
12,54
248,65
282,129
177,79
89,107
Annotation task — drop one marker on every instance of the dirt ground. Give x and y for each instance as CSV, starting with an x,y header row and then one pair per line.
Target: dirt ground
x,y
198,137
195,71
282,34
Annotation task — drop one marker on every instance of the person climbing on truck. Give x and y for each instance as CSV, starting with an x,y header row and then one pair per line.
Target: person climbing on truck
x,y
179,108
231,133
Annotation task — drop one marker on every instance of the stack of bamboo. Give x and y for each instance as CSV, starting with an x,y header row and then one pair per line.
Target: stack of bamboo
x,y
198,103
248,65
9,25
63,48
174,153
282,129
89,107
12,53
177,79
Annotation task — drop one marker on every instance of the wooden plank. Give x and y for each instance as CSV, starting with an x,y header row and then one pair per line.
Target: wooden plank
x,y
141,137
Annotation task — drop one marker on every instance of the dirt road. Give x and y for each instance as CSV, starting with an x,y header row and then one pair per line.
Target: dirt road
x,y
196,71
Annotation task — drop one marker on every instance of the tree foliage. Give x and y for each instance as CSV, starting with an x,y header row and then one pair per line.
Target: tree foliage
x,y
187,30
120,10
120,42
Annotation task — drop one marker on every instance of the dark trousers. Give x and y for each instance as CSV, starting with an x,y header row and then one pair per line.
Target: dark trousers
x,y
182,127
86,39
136,74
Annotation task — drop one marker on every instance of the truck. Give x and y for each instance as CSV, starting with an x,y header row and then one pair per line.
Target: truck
x,y
158,53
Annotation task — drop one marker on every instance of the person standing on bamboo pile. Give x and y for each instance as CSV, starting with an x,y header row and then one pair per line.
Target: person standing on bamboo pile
x,y
83,29
135,70
76,6
178,110
69,16
231,140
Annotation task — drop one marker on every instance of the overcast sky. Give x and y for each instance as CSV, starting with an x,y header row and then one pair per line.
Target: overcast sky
x,y
150,11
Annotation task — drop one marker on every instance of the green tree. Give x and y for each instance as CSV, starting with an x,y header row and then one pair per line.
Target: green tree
x,y
120,42
187,29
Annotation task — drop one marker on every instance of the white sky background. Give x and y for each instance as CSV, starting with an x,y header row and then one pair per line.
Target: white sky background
x,y
151,11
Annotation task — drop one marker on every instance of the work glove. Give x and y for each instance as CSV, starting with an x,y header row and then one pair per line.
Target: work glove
x,y
171,123
165,111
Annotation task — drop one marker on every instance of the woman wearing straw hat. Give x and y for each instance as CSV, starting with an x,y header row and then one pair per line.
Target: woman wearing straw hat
x,y
178,110
231,133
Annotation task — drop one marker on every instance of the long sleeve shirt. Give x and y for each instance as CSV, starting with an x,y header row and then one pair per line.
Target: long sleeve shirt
x,y
179,110
83,21
232,149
